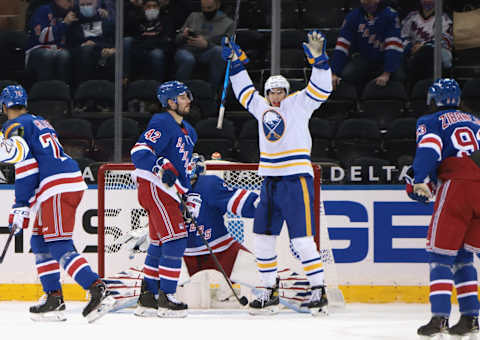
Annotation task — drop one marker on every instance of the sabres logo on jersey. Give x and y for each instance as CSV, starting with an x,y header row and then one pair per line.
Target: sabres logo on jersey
x,y
273,125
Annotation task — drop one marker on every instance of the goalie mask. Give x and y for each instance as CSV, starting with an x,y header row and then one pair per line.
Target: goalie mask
x,y
274,82
197,166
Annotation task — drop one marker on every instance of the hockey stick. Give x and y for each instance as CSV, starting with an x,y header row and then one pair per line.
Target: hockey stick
x,y
241,300
9,239
226,81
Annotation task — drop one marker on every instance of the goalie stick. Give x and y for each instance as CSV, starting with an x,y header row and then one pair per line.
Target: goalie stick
x,y
241,300
9,240
226,81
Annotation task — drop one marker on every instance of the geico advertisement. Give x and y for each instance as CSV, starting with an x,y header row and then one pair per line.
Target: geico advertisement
x,y
377,235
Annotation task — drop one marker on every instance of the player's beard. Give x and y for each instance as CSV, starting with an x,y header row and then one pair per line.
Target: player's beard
x,y
184,111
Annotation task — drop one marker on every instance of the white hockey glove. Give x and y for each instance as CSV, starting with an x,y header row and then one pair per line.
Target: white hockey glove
x,y
423,189
194,203
19,219
138,241
315,49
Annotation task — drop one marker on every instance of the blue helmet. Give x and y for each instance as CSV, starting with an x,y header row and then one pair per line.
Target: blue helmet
x,y
13,95
445,92
171,90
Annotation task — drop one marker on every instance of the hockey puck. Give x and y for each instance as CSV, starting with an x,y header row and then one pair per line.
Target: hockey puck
x,y
243,301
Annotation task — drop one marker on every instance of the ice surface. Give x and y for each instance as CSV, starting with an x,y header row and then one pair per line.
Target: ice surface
x,y
356,321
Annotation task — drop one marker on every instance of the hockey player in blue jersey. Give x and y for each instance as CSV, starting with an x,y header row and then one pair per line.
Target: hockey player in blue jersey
x,y
48,183
161,158
445,141
285,147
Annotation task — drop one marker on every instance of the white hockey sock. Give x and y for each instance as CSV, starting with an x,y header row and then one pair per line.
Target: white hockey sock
x,y
311,260
266,259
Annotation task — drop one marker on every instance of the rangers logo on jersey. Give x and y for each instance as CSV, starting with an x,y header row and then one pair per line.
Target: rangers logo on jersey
x,y
273,125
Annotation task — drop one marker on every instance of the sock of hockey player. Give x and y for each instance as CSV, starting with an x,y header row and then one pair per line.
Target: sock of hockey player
x,y
466,284
169,272
150,268
441,284
306,249
78,268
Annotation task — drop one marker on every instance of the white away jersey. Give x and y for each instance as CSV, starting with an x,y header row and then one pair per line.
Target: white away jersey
x,y
284,138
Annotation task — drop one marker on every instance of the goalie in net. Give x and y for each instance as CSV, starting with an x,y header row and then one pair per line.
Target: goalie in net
x,y
218,199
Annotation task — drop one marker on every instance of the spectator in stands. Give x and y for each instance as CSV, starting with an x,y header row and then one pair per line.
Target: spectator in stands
x,y
199,41
47,57
132,13
418,39
369,46
152,42
91,40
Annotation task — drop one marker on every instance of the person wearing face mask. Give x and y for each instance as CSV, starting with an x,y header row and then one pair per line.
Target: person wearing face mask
x,y
152,41
418,40
199,42
91,41
369,46
46,56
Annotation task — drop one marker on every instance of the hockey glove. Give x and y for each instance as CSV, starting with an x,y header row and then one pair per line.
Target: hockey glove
x,y
19,219
315,49
194,203
166,171
421,192
230,50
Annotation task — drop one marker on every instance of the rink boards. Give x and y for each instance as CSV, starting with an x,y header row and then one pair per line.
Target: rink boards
x,y
377,236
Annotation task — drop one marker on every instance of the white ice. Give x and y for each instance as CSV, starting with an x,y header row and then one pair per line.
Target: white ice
x,y
355,321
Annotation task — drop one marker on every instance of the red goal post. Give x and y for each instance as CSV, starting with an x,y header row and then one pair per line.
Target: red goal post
x,y
114,176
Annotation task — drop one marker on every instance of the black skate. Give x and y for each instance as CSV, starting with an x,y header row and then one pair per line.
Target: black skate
x,y
147,304
466,326
437,325
101,302
169,307
267,303
318,302
52,308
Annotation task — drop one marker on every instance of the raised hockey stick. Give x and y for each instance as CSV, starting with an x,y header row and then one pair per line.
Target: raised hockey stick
x,y
9,239
226,81
241,300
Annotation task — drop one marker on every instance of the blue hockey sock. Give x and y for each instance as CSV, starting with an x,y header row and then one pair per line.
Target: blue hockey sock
x,y
170,264
48,268
466,284
150,268
441,284
74,264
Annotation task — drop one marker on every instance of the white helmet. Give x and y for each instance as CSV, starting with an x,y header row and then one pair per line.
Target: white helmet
x,y
274,82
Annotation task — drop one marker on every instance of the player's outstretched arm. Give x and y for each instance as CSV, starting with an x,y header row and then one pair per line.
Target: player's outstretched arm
x,y
242,84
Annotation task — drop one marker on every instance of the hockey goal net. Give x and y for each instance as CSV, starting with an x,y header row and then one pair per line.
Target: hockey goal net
x,y
119,213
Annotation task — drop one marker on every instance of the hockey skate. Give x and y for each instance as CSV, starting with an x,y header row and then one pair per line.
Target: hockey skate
x,y
267,303
466,327
318,302
147,304
169,307
101,302
50,309
438,325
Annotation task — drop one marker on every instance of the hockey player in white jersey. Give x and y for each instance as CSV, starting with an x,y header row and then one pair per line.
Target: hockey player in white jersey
x,y
285,147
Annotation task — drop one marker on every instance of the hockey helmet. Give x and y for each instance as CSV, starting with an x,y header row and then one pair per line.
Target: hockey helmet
x,y
13,95
274,82
445,92
171,90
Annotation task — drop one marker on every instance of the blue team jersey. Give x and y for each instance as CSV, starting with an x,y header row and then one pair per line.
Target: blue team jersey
x,y
217,200
442,136
165,138
47,170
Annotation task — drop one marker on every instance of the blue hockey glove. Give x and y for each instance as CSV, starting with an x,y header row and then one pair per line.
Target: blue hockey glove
x,y
166,171
19,219
315,49
230,50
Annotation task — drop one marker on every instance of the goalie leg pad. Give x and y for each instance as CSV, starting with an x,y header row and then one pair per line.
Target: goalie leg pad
x,y
170,264
74,264
266,258
312,265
